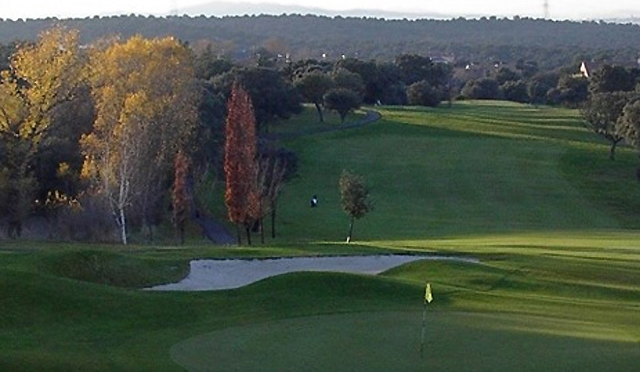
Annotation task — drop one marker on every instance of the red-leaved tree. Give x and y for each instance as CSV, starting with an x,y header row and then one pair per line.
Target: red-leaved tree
x,y
242,196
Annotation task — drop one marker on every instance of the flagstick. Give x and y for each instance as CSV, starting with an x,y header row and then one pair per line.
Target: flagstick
x,y
428,297
424,325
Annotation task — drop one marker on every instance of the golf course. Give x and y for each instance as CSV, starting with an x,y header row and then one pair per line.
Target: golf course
x,y
547,225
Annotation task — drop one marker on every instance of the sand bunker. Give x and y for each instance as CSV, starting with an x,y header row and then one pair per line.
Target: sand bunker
x,y
227,274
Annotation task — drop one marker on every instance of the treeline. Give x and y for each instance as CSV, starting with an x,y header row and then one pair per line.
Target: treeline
x,y
551,44
89,139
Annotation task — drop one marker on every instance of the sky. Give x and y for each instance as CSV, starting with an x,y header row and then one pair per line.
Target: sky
x,y
558,9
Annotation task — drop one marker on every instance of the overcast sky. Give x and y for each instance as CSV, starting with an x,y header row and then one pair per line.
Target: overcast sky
x,y
558,9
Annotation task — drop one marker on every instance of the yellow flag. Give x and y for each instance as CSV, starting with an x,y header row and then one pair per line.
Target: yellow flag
x,y
428,297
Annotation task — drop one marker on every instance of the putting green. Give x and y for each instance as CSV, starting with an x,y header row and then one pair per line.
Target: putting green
x,y
390,341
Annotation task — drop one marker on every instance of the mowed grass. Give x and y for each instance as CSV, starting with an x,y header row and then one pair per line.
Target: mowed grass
x,y
527,191
476,168
392,342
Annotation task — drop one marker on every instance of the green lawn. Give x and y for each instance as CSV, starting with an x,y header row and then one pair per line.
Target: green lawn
x,y
527,191
440,172
391,342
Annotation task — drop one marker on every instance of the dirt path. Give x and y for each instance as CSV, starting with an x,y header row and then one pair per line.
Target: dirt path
x,y
216,232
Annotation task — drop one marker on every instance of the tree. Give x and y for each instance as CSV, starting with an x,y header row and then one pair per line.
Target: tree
x,y
313,86
539,86
629,124
571,91
242,195
272,168
342,100
180,195
6,51
372,77
146,110
505,74
43,76
527,68
613,79
515,91
601,114
272,96
423,94
484,88
346,79
391,88
354,198
414,68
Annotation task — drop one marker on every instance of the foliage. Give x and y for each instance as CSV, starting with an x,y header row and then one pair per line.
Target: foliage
x,y
612,78
415,68
540,85
242,195
515,91
549,44
313,86
629,124
602,112
145,111
571,91
354,198
272,172
180,194
504,75
88,219
376,77
207,64
272,95
484,88
342,100
30,94
6,51
345,79
423,94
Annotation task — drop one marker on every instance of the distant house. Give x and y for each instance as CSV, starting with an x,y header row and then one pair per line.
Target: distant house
x,y
587,69
584,70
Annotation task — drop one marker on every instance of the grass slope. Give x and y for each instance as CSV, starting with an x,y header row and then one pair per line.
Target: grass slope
x,y
474,169
391,342
526,190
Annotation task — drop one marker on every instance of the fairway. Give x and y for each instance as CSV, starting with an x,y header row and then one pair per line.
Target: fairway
x,y
527,192
390,341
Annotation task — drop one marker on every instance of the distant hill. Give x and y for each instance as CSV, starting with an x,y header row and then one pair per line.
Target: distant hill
x,y
228,8
551,44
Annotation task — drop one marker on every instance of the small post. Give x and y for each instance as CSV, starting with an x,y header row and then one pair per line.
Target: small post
x,y
428,297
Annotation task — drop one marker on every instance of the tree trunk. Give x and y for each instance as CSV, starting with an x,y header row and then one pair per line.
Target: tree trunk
x,y
319,112
262,230
247,228
273,221
350,230
239,235
612,151
123,226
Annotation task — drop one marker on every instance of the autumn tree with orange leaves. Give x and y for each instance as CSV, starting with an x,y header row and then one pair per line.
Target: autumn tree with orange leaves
x,y
242,196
